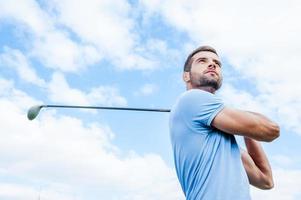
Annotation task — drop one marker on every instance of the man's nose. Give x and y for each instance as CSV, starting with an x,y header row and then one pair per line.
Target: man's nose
x,y
212,65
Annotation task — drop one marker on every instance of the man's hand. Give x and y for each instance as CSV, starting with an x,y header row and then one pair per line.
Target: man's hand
x,y
249,124
257,165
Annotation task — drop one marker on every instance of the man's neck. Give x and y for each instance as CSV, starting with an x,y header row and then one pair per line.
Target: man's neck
x,y
205,88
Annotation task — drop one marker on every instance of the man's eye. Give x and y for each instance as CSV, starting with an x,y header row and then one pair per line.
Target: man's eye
x,y
218,64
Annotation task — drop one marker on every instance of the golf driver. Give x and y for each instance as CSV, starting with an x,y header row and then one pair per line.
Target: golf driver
x,y
34,110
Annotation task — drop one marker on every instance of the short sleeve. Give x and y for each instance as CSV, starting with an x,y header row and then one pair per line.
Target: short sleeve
x,y
201,106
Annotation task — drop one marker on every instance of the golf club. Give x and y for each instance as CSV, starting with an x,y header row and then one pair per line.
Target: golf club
x,y
34,110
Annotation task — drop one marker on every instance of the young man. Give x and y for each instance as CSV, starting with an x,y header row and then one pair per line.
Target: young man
x,y
208,161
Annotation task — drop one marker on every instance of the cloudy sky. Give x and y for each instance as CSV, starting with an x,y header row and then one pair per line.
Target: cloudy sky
x,y
131,53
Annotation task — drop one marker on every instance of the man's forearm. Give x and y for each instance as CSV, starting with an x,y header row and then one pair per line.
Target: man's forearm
x,y
260,159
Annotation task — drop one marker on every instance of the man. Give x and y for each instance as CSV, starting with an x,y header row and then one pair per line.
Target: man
x,y
208,161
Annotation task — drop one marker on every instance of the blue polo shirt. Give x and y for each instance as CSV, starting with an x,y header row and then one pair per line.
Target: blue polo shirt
x,y
207,161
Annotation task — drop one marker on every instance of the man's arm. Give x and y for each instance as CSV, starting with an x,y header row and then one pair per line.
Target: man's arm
x,y
249,124
257,165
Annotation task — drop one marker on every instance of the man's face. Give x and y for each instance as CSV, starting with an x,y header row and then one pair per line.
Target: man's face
x,y
206,70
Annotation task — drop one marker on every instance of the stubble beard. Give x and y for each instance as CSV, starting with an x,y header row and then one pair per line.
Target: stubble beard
x,y
204,81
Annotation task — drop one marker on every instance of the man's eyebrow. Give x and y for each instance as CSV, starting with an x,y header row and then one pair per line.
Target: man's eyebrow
x,y
205,58
201,58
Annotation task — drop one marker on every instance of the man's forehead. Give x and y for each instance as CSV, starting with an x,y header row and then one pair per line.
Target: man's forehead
x,y
205,54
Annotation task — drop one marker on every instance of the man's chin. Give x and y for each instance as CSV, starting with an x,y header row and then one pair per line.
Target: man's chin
x,y
212,84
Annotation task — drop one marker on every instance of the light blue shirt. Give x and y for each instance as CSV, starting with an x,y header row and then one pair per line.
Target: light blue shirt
x,y
208,161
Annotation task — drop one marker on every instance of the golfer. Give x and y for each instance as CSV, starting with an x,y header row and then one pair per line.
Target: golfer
x,y
209,163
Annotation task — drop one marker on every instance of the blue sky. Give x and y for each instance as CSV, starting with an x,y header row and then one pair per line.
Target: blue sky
x,y
131,53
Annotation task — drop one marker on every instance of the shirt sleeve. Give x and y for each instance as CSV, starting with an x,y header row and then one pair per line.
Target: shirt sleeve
x,y
201,106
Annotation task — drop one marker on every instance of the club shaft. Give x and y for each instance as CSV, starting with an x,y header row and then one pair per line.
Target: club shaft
x,y
107,108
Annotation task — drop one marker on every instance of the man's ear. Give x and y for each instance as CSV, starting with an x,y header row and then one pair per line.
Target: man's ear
x,y
186,77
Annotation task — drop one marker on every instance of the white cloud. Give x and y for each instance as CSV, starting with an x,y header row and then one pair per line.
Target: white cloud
x,y
241,99
71,35
27,12
109,26
74,157
158,46
282,160
105,23
146,90
106,95
50,45
22,192
60,91
15,59
56,50
17,97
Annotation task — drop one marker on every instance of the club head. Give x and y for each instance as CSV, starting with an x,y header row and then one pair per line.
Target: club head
x,y
33,112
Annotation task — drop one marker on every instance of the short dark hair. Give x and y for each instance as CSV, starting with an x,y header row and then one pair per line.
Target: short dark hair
x,y
188,62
